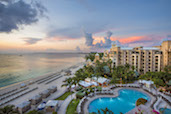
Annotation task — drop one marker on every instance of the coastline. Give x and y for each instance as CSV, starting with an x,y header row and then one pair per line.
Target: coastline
x,y
38,87
17,85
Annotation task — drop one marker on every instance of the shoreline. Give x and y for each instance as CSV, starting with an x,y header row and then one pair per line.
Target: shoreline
x,y
34,79
36,88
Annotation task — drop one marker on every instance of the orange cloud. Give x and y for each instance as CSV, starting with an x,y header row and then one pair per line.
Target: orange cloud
x,y
98,40
122,40
128,39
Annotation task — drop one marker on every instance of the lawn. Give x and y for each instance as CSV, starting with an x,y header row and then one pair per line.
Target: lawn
x,y
71,109
64,96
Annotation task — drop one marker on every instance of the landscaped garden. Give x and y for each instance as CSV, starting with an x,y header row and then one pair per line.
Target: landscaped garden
x,y
64,96
71,109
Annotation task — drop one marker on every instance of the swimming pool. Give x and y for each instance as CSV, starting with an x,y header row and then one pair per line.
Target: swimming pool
x,y
123,103
165,111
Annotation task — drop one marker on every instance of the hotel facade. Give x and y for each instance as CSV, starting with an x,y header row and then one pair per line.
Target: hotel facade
x,y
144,59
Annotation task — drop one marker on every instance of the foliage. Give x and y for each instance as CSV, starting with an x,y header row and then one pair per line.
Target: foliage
x,y
91,56
79,88
64,96
9,109
99,88
71,109
54,113
141,101
80,95
124,73
159,78
35,112
105,111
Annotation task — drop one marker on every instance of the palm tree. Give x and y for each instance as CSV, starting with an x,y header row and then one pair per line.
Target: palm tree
x,y
133,67
9,109
35,112
68,83
127,66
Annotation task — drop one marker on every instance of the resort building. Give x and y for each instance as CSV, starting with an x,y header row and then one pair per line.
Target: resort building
x,y
166,52
144,59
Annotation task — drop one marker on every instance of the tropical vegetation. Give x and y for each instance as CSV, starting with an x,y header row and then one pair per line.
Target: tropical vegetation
x,y
141,101
35,112
160,78
64,96
103,111
71,109
91,56
9,109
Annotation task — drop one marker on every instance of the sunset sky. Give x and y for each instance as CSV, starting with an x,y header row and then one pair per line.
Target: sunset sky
x,y
74,25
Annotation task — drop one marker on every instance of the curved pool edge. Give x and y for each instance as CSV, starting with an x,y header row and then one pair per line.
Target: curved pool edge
x,y
116,91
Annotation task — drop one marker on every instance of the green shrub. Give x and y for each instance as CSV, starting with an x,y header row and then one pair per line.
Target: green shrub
x,y
54,113
35,112
161,90
79,88
99,88
80,95
91,89
71,109
141,101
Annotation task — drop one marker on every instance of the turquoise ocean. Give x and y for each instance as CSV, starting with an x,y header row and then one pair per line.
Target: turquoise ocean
x,y
20,67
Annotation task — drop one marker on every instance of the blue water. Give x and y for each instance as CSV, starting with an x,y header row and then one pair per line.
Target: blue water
x,y
16,68
166,111
123,103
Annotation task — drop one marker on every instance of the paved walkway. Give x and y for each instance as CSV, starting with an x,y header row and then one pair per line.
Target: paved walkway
x,y
63,107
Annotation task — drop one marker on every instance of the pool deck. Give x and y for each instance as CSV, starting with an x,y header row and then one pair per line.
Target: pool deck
x,y
116,93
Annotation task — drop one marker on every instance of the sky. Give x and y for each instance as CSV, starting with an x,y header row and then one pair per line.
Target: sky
x,y
82,25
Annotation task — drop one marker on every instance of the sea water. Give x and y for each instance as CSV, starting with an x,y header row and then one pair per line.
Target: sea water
x,y
19,67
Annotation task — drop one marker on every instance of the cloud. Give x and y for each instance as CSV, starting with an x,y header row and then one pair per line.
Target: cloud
x,y
77,48
73,32
31,41
169,36
108,34
16,13
89,39
160,42
103,45
149,40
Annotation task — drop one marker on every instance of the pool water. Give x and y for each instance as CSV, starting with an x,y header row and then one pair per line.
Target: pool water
x,y
123,103
165,111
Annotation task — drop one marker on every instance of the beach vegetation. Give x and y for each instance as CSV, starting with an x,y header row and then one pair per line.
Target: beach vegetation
x,y
9,109
71,109
68,82
35,112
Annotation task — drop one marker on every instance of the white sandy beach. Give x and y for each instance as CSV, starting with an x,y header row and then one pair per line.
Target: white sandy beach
x,y
41,86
